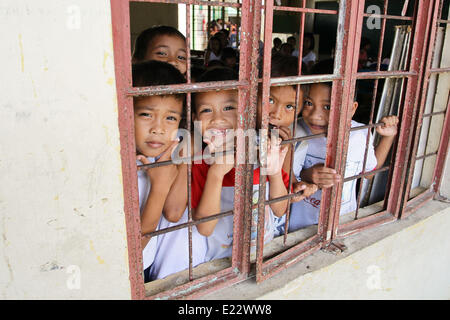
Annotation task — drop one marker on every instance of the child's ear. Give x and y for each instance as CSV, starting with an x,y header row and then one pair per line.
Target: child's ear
x,y
354,107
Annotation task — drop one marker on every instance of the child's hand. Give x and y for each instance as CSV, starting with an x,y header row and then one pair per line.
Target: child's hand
x,y
223,163
320,175
389,129
275,156
285,133
162,176
308,190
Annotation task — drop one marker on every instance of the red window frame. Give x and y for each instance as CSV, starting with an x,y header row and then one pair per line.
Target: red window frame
x,y
345,75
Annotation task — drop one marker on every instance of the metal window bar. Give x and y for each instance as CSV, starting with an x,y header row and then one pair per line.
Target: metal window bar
x,y
412,204
247,87
396,179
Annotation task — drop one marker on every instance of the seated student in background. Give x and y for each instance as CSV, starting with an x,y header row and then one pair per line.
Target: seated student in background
x,y
162,190
315,118
161,43
214,50
282,117
229,58
213,185
308,55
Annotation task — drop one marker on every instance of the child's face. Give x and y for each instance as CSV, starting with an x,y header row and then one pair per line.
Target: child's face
x,y
281,106
170,49
217,111
156,120
316,109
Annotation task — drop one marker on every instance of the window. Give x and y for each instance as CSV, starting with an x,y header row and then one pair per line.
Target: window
x,y
407,70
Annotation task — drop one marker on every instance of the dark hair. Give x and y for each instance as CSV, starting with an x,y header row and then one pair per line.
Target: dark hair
x,y
277,40
286,45
228,52
215,37
327,67
146,36
291,38
217,74
283,66
312,42
158,73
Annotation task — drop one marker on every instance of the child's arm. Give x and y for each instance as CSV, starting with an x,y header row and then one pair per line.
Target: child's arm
x,y
161,179
388,132
210,200
176,200
277,188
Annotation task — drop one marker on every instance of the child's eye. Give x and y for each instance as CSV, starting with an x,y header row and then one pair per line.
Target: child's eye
x,y
172,118
271,101
160,53
308,103
290,107
228,108
182,58
205,110
327,107
144,114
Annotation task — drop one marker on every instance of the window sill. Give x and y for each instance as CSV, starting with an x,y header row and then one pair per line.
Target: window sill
x,y
249,289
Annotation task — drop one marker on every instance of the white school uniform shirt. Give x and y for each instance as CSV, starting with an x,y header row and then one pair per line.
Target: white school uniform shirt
x,y
306,212
172,251
144,186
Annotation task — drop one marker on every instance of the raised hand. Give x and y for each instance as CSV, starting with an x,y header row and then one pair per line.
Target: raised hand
x,y
389,129
320,175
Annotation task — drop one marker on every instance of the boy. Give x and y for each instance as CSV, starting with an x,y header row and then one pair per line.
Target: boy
x,y
315,119
213,185
161,189
282,116
161,43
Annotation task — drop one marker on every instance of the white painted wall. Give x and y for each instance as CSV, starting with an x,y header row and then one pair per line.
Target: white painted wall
x,y
61,197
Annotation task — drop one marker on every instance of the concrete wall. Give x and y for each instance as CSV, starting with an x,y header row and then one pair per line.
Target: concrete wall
x,y
61,196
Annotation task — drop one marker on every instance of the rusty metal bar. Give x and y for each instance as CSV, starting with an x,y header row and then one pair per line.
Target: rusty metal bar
x,y
433,114
122,62
439,70
188,120
297,105
267,55
304,10
418,48
426,156
431,29
284,81
384,74
442,151
250,31
187,88
365,174
189,224
340,118
386,16
195,2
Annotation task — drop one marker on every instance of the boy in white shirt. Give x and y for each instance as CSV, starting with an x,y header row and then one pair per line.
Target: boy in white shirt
x,y
315,119
161,189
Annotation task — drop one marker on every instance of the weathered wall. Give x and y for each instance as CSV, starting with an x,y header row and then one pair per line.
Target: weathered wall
x,y
61,197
